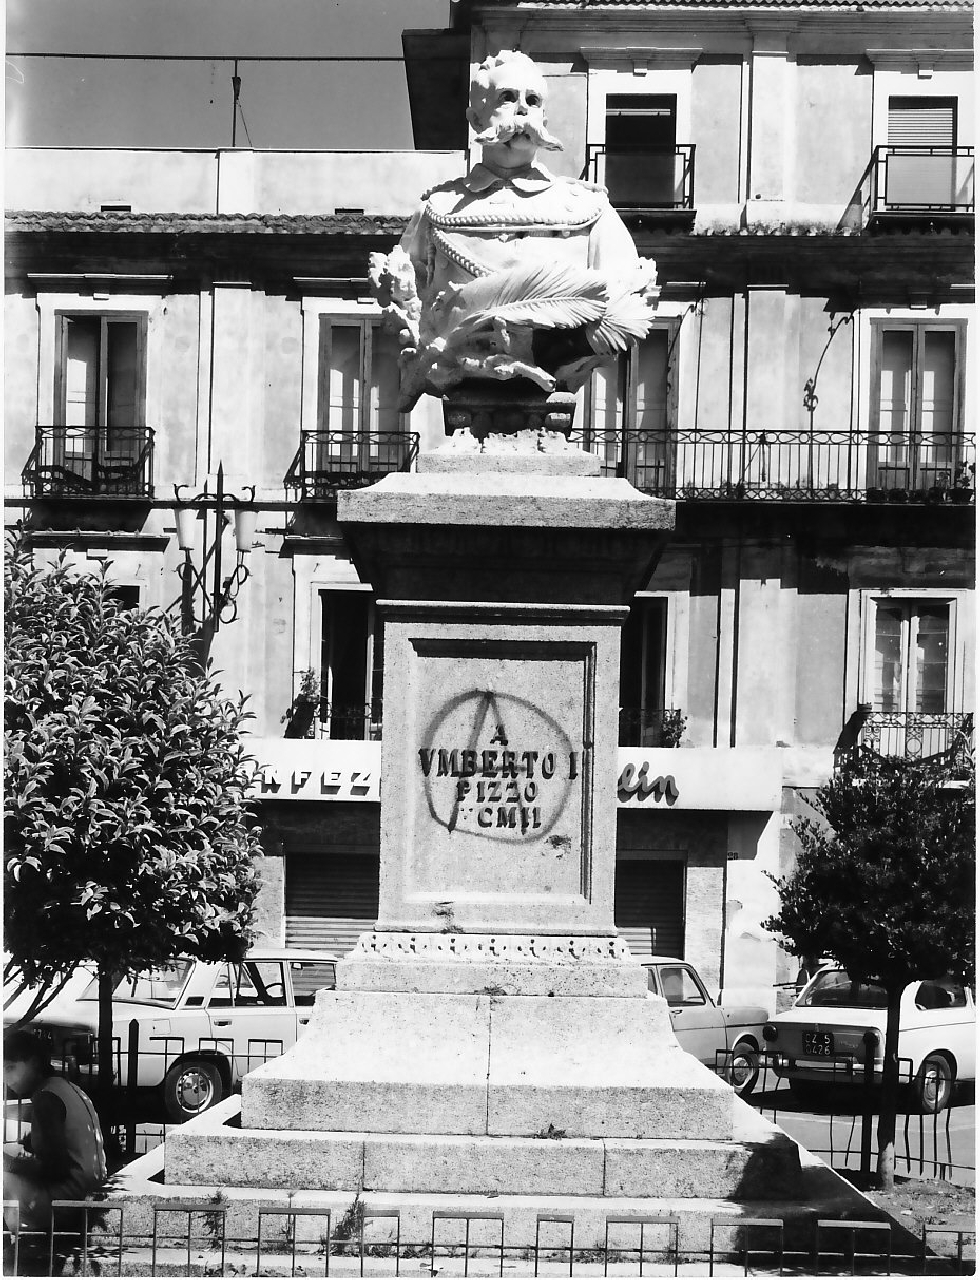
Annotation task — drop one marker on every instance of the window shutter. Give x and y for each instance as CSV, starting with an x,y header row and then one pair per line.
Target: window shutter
x,y
331,899
922,122
649,906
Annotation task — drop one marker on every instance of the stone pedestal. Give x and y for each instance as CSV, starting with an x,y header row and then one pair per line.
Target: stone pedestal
x,y
492,1037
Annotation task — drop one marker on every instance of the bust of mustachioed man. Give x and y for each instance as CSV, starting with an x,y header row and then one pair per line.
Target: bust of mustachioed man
x,y
511,272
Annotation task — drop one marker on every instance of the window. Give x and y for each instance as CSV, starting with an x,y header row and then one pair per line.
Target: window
x,y
352,662
911,657
248,985
99,400
357,406
680,987
642,669
642,164
311,976
916,409
633,409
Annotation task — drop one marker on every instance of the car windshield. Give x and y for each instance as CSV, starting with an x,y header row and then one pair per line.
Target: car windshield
x,y
834,988
161,985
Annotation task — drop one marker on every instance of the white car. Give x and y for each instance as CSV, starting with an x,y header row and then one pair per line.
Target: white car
x,y
702,1027
193,1029
821,1038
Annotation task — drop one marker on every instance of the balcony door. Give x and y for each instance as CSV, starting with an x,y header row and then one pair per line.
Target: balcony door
x,y
915,415
358,422
99,397
922,153
642,170
352,663
911,677
642,673
631,412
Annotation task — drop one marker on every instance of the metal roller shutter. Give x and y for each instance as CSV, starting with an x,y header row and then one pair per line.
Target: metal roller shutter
x,y
330,899
649,906
922,122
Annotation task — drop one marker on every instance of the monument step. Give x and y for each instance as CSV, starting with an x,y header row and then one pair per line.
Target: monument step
x,y
818,1193
213,1150
508,1066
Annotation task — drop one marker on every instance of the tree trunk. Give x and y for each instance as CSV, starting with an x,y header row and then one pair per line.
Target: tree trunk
x,y
889,1093
104,1092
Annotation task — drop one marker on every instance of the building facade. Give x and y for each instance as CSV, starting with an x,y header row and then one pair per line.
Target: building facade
x,y
802,173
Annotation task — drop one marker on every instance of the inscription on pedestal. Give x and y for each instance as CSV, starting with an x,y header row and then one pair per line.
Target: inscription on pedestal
x,y
501,755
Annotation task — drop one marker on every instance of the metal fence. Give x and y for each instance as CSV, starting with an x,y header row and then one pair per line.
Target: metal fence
x,y
191,1238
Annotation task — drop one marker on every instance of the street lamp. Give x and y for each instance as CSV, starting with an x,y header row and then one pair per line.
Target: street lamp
x,y
218,601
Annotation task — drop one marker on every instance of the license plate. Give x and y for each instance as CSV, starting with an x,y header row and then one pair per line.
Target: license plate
x,y
818,1044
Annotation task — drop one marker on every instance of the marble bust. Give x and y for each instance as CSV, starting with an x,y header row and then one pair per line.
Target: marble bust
x,y
511,272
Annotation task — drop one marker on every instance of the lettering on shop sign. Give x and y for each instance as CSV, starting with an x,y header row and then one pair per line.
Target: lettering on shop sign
x,y
496,786
637,782
310,784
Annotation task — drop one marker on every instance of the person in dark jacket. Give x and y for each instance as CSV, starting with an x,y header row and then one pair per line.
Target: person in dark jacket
x,y
63,1157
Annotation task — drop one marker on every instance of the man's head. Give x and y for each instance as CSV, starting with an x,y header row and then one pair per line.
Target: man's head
x,y
26,1062
507,98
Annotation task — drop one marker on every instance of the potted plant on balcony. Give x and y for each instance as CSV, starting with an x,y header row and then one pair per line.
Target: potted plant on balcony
x,y
300,716
962,490
672,727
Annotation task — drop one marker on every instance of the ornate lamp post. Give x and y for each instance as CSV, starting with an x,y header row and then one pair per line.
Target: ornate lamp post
x,y
205,605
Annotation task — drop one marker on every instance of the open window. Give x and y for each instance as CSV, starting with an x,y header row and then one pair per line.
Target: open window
x,y
352,664
359,427
916,439
632,412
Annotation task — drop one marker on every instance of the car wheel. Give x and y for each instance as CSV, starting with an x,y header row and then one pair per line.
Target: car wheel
x,y
190,1087
743,1071
934,1083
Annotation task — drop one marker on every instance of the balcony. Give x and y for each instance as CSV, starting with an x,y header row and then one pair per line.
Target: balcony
x,y
654,181
650,726
328,461
921,184
943,739
348,723
90,462
799,465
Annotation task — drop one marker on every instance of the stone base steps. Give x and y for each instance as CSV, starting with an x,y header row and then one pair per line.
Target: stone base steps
x,y
211,1150
797,1189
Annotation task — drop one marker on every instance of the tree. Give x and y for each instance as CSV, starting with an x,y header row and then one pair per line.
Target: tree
x,y
884,884
128,838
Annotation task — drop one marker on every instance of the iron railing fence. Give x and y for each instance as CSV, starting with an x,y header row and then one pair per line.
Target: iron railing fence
x,y
191,1237
928,1145
328,461
922,180
945,737
787,465
348,722
90,462
644,178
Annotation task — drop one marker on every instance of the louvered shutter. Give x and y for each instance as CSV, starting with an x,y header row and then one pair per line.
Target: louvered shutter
x,y
331,898
649,906
922,122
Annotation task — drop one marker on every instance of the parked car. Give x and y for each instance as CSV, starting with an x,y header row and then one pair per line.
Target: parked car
x,y
198,1027
820,1039
703,1027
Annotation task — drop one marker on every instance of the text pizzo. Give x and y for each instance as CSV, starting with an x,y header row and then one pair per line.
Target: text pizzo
x,y
466,763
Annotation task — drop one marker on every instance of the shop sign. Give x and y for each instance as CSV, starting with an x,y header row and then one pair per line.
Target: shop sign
x,y
321,770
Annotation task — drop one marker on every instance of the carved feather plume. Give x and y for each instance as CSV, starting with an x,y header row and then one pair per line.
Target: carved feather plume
x,y
542,297
627,317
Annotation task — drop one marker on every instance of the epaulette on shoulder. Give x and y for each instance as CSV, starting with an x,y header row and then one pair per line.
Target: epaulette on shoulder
x,y
597,187
450,186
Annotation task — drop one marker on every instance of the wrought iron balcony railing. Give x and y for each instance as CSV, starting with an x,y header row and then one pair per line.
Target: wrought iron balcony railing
x,y
942,740
349,722
923,181
650,726
96,462
328,461
786,465
644,179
